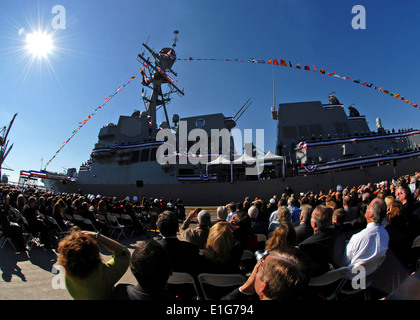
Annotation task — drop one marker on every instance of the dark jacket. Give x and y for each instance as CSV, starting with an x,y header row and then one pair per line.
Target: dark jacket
x,y
324,247
184,256
303,231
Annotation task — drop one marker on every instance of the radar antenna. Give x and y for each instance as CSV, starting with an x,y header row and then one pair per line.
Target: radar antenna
x,y
333,99
155,74
353,111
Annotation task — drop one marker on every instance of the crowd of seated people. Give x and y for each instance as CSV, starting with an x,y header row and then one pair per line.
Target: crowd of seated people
x,y
330,229
335,228
48,215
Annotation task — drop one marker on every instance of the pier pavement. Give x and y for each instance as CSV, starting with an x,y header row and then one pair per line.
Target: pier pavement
x,y
33,275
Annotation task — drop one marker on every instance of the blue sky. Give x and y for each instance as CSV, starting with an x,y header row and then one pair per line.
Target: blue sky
x,y
96,53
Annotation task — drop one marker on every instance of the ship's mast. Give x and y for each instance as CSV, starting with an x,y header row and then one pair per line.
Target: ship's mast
x,y
155,74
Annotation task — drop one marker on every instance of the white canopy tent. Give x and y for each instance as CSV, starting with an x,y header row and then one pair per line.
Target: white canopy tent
x,y
245,159
271,157
221,160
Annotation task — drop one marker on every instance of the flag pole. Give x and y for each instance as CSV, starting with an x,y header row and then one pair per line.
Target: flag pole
x,y
274,90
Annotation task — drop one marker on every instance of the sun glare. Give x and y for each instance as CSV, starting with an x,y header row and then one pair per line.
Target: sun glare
x,y
39,44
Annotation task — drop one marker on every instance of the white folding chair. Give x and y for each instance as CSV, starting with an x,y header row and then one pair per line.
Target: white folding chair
x,y
69,217
116,227
247,254
128,223
42,216
78,220
105,223
368,267
28,237
416,244
211,281
90,224
17,213
179,278
332,281
58,229
4,239
261,237
118,216
102,218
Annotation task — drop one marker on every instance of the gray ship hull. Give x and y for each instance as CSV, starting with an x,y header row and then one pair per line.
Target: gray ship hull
x,y
221,193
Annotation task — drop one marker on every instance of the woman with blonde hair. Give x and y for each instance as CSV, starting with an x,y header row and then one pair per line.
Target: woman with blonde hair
x,y
102,208
88,277
221,255
283,216
283,235
77,206
388,200
58,216
20,202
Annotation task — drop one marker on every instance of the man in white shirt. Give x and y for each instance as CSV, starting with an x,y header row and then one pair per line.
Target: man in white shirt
x,y
372,241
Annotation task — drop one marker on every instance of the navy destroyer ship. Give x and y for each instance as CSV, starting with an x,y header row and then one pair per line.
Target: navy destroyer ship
x,y
322,147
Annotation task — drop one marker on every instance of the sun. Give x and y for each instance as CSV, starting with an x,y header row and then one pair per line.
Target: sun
x,y
40,44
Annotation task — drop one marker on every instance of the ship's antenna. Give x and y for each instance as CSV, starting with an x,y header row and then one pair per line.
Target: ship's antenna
x,y
241,108
243,111
175,38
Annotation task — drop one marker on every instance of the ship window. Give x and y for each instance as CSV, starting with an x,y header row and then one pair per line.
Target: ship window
x,y
135,156
144,155
289,132
153,154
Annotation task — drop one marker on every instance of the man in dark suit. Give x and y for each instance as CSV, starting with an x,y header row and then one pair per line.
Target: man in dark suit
x,y
350,213
326,246
304,229
150,266
403,194
183,256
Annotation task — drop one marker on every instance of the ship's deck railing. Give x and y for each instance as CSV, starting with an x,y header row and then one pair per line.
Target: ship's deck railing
x,y
362,137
